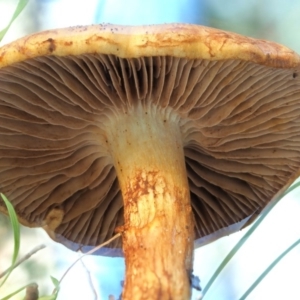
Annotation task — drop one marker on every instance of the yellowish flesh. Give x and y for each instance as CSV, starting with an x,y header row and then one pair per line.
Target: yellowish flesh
x,y
158,232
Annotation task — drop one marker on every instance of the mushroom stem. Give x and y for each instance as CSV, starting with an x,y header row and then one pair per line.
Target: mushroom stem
x,y
159,231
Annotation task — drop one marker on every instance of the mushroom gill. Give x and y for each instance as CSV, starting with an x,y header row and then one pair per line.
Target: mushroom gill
x,y
238,121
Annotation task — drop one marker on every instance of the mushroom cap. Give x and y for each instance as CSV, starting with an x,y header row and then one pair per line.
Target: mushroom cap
x,y
237,99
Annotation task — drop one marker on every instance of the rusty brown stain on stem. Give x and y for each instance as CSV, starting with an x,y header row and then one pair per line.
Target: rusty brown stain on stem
x,y
158,237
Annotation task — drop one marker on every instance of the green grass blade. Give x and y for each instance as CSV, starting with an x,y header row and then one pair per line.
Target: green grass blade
x,y
246,236
56,283
267,270
21,5
55,292
16,230
51,297
15,292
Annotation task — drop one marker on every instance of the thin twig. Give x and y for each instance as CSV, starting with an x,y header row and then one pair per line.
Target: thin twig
x,y
27,256
90,280
90,252
32,292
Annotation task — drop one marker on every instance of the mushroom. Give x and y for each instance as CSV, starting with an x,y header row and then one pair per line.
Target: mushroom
x,y
167,134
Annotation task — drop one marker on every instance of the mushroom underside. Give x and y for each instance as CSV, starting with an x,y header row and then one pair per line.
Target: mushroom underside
x,y
238,120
